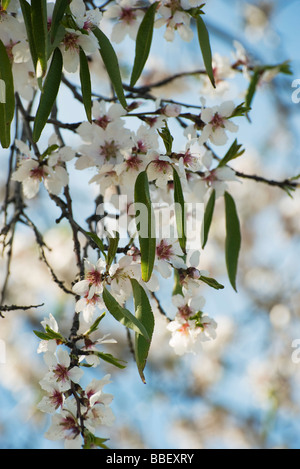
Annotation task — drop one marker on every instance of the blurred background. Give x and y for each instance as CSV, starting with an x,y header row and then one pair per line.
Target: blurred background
x,y
242,390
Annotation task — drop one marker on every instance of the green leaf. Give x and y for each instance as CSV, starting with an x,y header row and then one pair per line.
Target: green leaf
x,y
26,12
49,334
42,335
167,138
60,7
123,315
180,214
112,249
97,241
7,108
233,238
212,282
95,325
40,33
48,95
4,4
86,88
107,357
177,288
49,150
90,441
208,214
252,87
145,227
144,314
143,43
233,152
204,43
110,61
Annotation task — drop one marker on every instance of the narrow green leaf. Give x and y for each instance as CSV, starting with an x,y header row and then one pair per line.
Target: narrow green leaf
x,y
7,104
177,288
86,88
107,357
204,43
26,12
252,87
97,241
123,315
144,314
57,15
211,282
48,95
112,249
42,335
95,325
233,238
143,43
167,138
180,214
146,225
208,214
110,61
40,32
233,152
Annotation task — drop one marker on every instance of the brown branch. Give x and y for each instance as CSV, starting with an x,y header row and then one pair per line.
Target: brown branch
x,y
5,308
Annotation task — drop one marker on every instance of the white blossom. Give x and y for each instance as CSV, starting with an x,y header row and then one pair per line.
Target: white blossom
x,y
217,122
128,18
60,371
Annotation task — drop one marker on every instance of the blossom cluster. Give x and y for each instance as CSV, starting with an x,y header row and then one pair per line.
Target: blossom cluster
x,y
76,412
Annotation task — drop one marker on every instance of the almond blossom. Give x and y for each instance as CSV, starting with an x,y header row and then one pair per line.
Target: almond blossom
x,y
48,168
217,122
190,326
214,178
65,426
174,18
128,17
168,254
106,146
160,169
60,370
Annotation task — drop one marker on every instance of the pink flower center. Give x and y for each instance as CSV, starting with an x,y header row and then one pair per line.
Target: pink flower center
x,y
103,122
184,328
71,41
128,15
141,146
164,250
57,399
61,372
37,173
211,177
70,426
133,163
217,121
94,277
161,165
91,301
109,150
185,311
